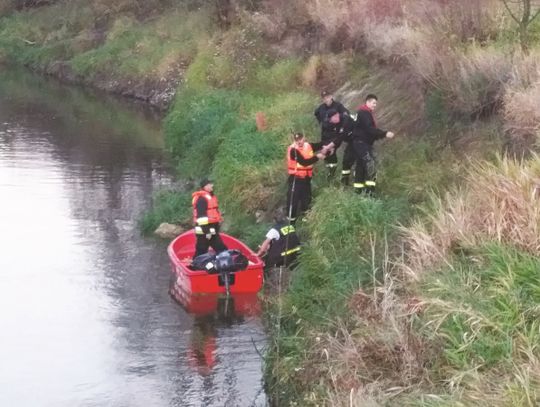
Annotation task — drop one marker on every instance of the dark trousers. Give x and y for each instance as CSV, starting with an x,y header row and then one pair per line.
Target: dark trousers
x,y
365,173
298,201
330,161
203,243
348,161
275,261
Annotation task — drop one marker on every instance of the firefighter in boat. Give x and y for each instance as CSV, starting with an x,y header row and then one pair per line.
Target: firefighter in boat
x,y
207,219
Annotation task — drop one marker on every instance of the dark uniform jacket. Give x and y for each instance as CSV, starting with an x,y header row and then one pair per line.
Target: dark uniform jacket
x,y
339,132
321,113
285,249
365,129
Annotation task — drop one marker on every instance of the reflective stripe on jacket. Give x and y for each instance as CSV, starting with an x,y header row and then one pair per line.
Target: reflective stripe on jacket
x,y
287,244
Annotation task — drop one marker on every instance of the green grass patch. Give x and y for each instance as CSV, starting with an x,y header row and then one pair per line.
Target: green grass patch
x,y
486,304
167,206
136,49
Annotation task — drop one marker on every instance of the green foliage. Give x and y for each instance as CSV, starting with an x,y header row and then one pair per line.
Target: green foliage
x,y
484,311
404,166
283,76
150,49
63,32
243,226
484,306
197,125
196,75
344,230
245,150
168,206
436,111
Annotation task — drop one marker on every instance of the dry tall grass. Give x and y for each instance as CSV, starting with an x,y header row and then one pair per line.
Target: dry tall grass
x,y
377,354
441,42
522,98
498,202
393,349
522,112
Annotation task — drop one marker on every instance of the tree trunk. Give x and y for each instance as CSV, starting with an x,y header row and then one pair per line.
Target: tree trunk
x,y
224,12
524,38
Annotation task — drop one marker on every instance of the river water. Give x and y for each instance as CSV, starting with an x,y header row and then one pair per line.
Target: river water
x,y
85,314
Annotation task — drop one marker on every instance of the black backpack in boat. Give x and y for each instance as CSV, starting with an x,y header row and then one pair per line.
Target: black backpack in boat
x,y
231,261
227,261
204,262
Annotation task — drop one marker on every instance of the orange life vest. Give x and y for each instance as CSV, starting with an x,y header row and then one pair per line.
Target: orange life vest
x,y
213,215
294,167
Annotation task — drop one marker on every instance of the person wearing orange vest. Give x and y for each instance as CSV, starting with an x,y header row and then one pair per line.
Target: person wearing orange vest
x,y
300,159
207,219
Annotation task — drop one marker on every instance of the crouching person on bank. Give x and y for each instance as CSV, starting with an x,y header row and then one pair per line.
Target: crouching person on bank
x,y
281,246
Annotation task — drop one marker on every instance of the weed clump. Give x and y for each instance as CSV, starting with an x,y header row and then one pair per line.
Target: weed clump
x,y
498,204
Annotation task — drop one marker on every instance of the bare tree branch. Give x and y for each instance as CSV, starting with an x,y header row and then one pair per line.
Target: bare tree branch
x,y
517,20
535,15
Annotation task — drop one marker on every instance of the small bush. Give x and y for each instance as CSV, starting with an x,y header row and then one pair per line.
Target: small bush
x,y
167,206
281,77
326,71
471,82
196,126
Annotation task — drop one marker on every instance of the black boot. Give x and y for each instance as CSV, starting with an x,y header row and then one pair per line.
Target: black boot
x,y
360,190
331,172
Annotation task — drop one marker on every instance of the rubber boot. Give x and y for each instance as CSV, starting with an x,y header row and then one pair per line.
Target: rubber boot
x,y
331,173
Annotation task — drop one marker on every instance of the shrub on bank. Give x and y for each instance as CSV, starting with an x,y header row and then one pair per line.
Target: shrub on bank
x,y
196,126
167,206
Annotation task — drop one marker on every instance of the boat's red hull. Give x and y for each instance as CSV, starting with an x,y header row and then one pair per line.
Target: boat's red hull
x,y
202,304
181,251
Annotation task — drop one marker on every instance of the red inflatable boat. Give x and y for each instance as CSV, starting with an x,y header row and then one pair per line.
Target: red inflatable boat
x,y
181,251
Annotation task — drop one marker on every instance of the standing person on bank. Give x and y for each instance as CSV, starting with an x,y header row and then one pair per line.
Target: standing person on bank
x,y
365,133
207,219
323,113
300,159
281,246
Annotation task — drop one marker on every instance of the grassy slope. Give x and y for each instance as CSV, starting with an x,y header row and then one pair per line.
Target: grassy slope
x,y
370,315
112,45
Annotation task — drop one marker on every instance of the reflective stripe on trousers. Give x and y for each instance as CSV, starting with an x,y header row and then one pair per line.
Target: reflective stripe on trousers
x,y
296,249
